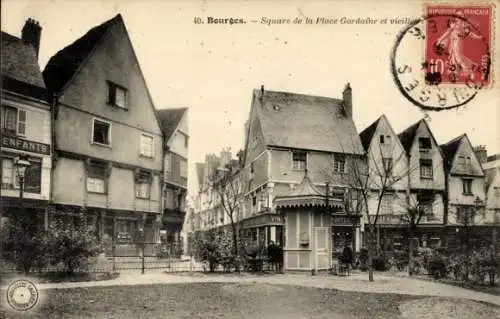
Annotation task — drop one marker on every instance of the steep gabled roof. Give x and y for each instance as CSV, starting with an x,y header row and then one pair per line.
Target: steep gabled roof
x,y
19,63
306,122
64,64
367,134
407,136
450,149
169,120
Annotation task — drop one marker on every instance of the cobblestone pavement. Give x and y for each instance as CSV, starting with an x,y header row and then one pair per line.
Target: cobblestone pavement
x,y
355,282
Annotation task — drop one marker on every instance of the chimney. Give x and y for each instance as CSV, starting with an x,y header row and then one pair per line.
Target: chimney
x,y
481,153
31,34
347,99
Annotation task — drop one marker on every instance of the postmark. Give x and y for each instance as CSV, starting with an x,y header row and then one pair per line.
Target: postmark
x,y
443,60
22,295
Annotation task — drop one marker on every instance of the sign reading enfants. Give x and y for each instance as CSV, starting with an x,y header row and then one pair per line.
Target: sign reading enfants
x,y
25,145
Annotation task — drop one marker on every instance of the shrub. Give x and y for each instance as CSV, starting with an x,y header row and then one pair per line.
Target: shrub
x,y
437,266
24,244
363,259
72,245
484,264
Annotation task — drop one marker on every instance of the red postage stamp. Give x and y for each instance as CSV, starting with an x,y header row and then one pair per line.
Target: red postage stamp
x,y
458,42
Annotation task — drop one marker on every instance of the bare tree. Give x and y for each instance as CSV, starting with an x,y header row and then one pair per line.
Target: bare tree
x,y
412,217
227,186
369,179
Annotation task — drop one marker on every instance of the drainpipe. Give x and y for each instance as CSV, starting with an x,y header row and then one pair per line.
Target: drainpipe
x,y
53,157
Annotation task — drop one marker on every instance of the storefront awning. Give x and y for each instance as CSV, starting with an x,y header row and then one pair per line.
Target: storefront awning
x,y
306,195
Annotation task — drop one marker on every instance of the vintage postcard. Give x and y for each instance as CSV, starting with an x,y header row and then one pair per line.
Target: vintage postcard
x,y
250,159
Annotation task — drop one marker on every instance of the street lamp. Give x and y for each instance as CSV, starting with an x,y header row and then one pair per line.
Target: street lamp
x,y
22,164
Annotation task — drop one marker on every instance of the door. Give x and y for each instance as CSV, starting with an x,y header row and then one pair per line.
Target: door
x,y
322,248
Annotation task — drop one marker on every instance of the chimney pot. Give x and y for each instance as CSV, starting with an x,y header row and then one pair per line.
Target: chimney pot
x,y
347,99
31,34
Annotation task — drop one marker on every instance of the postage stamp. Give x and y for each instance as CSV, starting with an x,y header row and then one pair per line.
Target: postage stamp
x,y
458,41
442,60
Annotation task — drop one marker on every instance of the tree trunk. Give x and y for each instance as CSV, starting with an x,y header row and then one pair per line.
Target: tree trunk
x,y
235,244
371,248
410,252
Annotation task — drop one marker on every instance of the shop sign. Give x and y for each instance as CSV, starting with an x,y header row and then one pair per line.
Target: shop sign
x,y
343,220
25,145
264,220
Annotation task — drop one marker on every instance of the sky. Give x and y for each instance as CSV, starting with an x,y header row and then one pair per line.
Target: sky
x,y
213,68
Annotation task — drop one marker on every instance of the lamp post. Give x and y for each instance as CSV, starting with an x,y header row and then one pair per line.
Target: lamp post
x,y
22,164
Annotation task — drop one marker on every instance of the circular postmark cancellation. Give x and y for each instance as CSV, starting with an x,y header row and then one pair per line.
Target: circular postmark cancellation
x,y
442,60
22,295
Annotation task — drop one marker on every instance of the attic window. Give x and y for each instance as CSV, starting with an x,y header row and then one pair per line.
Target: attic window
x,y
424,143
117,95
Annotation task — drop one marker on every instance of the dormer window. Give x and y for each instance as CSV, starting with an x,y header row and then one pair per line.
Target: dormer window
x,y
117,95
299,161
424,143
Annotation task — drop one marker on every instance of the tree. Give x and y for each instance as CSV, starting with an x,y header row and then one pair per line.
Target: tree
x,y
227,187
369,179
412,217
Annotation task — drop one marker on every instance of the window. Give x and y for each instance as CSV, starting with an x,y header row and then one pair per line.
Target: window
x,y
461,162
467,186
117,95
14,120
386,204
254,201
96,178
186,140
101,132
147,145
424,143
496,191
426,168
339,163
387,164
251,168
299,161
184,169
8,178
32,180
385,139
468,163
143,185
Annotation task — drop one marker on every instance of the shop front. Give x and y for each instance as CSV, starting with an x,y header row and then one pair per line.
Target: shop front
x,y
263,228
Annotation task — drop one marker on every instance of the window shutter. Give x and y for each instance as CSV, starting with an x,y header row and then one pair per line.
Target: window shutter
x,y
143,141
21,123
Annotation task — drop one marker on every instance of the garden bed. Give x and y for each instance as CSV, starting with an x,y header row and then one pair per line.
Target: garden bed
x,y
57,277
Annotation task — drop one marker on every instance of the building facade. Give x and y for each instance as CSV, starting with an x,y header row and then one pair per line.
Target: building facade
x,y
388,169
108,143
426,180
174,124
26,125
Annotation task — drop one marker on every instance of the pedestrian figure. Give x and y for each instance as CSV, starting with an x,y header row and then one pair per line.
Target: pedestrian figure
x,y
271,254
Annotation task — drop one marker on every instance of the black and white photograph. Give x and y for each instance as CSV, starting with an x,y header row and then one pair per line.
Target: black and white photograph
x,y
250,159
